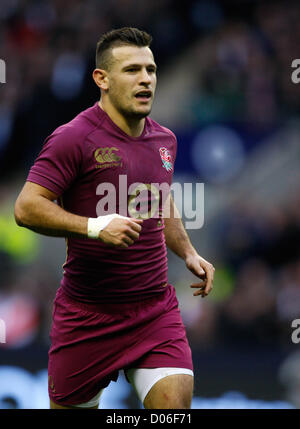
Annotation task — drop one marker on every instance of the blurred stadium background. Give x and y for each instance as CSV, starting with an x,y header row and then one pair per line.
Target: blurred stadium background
x,y
225,89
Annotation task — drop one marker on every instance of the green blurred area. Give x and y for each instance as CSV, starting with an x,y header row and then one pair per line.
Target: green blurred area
x,y
21,244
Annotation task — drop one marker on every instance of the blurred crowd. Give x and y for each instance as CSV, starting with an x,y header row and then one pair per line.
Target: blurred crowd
x,y
242,55
257,282
49,50
243,69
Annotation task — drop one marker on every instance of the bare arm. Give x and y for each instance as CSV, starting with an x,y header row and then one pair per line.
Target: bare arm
x,y
178,241
176,236
35,209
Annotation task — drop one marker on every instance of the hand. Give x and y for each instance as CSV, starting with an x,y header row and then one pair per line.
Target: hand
x,y
202,269
121,232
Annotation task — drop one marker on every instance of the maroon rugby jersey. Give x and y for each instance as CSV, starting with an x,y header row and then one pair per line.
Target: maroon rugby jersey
x,y
79,158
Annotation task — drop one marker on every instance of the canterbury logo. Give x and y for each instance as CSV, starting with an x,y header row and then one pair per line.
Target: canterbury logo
x,y
106,154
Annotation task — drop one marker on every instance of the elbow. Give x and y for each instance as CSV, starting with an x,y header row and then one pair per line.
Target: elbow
x,y
20,213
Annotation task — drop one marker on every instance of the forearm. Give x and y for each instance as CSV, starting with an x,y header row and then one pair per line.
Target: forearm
x,y
176,236
46,217
178,241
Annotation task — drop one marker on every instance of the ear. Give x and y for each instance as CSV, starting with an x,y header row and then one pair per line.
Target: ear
x,y
101,79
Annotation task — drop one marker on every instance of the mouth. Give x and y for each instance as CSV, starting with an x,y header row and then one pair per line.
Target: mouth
x,y
144,95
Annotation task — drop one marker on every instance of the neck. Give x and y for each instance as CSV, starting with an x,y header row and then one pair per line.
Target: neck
x,y
131,126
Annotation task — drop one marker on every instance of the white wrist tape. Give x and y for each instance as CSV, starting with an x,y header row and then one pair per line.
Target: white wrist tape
x,y
95,225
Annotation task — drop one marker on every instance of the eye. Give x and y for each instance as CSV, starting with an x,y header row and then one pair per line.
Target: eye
x,y
151,70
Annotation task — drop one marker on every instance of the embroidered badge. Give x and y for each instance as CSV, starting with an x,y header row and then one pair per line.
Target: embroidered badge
x,y
166,158
106,157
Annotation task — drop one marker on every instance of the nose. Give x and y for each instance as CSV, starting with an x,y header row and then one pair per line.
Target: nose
x,y
145,77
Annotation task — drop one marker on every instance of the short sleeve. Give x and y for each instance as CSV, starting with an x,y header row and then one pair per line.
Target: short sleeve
x,y
59,161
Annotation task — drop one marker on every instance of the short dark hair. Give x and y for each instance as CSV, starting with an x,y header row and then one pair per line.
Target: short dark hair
x,y
119,37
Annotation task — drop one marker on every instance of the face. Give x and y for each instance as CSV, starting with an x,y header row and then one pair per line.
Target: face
x,y
131,80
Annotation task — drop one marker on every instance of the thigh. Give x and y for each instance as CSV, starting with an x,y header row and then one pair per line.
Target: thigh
x,y
163,342
92,404
171,392
162,387
54,406
81,359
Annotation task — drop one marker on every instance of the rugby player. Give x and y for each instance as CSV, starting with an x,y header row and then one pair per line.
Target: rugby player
x,y
114,309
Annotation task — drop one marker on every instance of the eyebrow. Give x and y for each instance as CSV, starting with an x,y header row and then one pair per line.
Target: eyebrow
x,y
153,65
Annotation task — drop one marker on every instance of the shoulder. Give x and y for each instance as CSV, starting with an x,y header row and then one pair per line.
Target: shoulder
x,y
75,131
158,128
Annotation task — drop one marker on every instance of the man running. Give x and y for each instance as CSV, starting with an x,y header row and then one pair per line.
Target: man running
x,y
114,308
